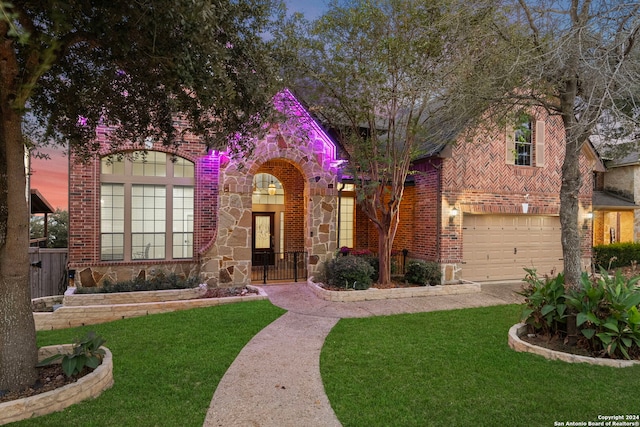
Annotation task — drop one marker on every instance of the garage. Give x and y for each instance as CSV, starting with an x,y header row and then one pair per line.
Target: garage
x,y
498,247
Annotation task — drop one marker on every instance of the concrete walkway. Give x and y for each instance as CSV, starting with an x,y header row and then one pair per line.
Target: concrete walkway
x,y
275,380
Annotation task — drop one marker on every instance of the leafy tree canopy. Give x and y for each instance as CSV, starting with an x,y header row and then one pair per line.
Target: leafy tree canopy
x,y
135,65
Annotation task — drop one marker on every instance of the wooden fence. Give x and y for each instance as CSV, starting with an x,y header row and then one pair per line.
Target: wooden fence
x,y
48,272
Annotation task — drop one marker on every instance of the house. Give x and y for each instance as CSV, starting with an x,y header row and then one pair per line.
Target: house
x,y
615,213
483,209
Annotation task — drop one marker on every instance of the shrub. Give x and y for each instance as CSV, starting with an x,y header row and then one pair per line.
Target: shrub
x,y
86,353
158,282
373,262
423,272
607,314
545,303
616,255
606,311
349,272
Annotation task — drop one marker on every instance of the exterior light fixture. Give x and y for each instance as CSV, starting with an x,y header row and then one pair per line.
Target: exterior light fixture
x,y
587,217
272,189
452,214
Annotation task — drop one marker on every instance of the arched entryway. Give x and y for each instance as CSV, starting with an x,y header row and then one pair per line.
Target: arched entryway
x,y
278,223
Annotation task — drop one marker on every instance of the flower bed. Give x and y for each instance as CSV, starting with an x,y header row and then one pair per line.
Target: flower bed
x,y
89,386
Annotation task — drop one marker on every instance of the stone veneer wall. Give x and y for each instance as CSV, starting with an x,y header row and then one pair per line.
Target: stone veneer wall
x,y
228,262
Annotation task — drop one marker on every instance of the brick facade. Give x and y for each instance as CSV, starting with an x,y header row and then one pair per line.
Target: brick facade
x,y
297,152
475,177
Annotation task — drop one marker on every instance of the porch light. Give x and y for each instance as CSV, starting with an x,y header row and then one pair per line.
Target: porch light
x,y
589,215
272,189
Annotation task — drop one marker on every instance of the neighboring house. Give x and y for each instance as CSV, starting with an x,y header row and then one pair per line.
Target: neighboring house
x,y
39,205
616,217
484,209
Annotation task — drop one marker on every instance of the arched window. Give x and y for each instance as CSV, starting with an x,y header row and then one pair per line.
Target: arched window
x,y
146,207
267,190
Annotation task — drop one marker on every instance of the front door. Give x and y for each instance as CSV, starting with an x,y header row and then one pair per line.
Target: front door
x,y
263,238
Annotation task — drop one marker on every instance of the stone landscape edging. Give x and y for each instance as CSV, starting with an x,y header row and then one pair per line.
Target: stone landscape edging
x,y
373,294
81,315
517,344
89,386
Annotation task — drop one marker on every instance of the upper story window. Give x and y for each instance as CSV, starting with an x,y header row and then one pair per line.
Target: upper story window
x,y
522,142
526,142
146,207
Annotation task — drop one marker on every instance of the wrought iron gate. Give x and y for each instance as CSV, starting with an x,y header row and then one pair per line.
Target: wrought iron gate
x,y
279,266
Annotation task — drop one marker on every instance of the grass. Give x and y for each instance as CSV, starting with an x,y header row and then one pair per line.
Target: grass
x,y
455,368
166,366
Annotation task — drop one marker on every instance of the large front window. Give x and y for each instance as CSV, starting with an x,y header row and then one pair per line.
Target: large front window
x,y
146,208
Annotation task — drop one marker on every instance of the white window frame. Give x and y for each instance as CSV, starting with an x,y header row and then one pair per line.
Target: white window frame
x,y
151,172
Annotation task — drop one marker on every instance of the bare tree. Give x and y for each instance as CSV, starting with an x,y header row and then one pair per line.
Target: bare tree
x,y
577,59
380,73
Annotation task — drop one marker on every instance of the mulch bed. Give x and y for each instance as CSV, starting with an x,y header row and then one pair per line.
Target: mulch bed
x,y
228,292
48,378
392,285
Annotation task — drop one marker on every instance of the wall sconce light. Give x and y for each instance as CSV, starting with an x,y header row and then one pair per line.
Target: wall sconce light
x,y
452,214
587,217
525,208
272,189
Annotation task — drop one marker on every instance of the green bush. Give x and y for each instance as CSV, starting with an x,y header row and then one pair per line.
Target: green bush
x,y
605,308
545,303
350,272
423,272
607,314
86,353
158,282
616,255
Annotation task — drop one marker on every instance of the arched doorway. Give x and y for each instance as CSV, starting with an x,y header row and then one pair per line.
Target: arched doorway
x,y
278,223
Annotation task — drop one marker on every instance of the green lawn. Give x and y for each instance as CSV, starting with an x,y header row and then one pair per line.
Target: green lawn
x,y
454,368
166,366
450,368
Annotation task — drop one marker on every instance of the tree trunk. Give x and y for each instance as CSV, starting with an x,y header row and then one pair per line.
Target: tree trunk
x,y
569,192
18,350
384,256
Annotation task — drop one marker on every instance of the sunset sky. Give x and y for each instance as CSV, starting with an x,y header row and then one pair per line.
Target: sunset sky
x,y
51,177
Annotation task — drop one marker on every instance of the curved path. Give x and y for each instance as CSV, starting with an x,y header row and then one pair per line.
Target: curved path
x,y
275,380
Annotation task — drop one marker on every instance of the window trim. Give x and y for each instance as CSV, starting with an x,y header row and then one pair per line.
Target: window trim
x,y
127,179
536,142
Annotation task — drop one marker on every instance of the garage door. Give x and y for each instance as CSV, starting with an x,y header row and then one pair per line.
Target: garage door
x,y
498,247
